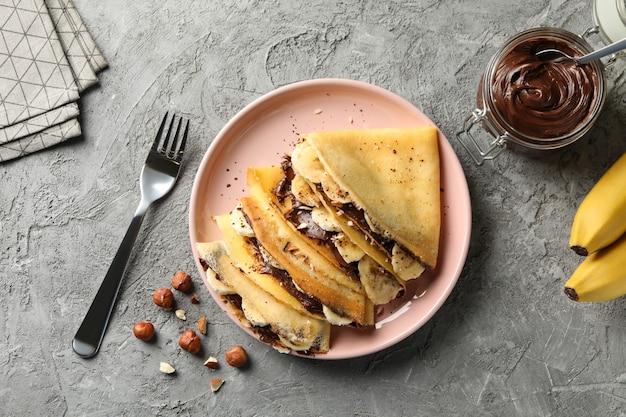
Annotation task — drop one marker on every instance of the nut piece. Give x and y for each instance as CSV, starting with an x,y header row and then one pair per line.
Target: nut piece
x,y
164,298
182,281
211,362
216,384
143,330
236,356
166,368
202,324
190,342
181,314
194,299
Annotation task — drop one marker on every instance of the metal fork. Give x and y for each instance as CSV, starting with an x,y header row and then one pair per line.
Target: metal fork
x,y
158,177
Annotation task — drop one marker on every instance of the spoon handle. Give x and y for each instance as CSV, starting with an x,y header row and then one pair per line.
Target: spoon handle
x,y
607,50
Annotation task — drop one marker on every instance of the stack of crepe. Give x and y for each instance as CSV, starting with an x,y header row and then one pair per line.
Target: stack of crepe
x,y
337,228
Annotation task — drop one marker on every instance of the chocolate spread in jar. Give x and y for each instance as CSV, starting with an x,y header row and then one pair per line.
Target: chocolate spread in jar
x,y
542,98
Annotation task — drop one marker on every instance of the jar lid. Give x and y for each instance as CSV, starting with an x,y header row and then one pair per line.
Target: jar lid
x,y
610,17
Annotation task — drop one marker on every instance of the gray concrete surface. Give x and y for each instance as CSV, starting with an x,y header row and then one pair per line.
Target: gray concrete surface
x,y
506,343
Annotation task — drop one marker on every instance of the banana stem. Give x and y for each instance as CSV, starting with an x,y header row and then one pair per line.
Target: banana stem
x,y
571,293
579,250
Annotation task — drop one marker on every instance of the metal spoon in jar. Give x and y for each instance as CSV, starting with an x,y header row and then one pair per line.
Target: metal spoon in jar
x,y
552,54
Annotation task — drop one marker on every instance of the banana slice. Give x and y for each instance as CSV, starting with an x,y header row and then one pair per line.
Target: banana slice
x,y
218,286
302,192
325,220
253,314
380,285
334,318
304,159
405,265
349,251
335,193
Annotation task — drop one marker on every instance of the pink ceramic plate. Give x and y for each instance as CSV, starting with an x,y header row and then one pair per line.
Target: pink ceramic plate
x,y
268,127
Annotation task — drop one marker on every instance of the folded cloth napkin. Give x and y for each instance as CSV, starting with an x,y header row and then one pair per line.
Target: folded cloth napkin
x,y
47,58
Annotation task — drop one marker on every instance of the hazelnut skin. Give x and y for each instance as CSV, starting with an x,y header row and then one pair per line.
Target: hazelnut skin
x,y
190,342
236,356
182,281
163,297
143,330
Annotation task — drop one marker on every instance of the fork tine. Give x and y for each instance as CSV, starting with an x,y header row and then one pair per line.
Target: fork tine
x,y
178,154
170,151
167,141
157,139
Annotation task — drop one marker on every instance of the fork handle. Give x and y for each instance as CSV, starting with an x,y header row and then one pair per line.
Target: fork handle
x,y
89,336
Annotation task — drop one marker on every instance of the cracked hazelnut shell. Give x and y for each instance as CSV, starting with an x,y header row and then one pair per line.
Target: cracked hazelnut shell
x,y
190,342
163,297
181,281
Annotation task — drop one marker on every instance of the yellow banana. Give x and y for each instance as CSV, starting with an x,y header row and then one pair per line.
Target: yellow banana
x,y
601,217
601,276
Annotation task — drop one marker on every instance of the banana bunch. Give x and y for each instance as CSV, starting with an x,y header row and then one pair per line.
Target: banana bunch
x,y
599,233
601,276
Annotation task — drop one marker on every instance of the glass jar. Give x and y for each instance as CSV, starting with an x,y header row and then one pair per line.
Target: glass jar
x,y
610,19
521,114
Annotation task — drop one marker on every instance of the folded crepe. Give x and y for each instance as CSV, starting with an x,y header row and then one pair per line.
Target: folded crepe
x,y
276,323
383,184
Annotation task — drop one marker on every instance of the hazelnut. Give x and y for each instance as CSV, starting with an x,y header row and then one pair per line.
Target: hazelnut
x,y
143,330
190,342
181,281
236,356
202,324
164,298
